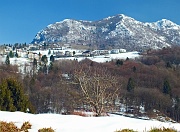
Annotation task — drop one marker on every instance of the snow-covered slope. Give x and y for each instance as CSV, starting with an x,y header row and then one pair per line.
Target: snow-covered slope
x,y
169,30
163,24
118,31
72,123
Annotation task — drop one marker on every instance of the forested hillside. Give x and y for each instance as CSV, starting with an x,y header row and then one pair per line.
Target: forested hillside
x,y
151,81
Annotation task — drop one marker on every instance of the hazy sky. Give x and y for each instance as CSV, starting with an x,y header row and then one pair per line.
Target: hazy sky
x,y
20,20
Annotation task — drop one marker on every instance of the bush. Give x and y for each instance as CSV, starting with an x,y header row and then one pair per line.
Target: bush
x,y
125,130
8,127
79,113
152,130
162,130
46,130
11,127
26,126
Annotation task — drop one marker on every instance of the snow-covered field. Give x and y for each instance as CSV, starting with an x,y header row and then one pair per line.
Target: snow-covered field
x,y
73,123
104,58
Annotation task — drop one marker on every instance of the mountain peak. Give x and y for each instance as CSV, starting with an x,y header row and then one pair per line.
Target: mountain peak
x,y
166,23
163,24
118,31
121,16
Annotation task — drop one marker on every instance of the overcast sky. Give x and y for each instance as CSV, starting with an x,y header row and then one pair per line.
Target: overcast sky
x,y
20,20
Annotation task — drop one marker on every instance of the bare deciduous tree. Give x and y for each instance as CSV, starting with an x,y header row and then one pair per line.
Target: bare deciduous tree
x,y
99,89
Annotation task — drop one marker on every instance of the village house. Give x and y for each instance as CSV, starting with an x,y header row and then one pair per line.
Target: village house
x,y
122,50
59,54
86,53
32,55
115,51
99,52
33,47
68,53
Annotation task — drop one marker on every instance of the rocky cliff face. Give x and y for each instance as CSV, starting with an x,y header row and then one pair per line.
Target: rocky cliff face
x,y
113,32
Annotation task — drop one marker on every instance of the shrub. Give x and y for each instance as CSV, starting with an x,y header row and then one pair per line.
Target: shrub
x,y
26,126
125,130
11,127
152,130
46,130
79,113
162,130
8,127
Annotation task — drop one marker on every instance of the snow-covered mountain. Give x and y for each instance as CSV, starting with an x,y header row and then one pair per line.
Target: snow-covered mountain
x,y
118,31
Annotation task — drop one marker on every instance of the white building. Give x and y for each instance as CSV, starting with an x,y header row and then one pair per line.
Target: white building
x,y
115,51
122,50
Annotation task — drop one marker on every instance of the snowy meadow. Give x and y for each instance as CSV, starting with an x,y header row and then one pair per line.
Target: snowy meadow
x,y
69,123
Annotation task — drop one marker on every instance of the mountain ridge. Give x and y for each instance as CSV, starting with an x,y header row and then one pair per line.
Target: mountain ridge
x,y
118,31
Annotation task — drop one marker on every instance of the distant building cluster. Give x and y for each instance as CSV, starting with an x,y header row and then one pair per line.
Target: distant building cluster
x,y
36,51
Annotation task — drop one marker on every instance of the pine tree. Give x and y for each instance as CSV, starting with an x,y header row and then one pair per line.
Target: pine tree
x,y
130,85
12,96
11,55
7,61
43,67
44,59
2,96
39,56
16,54
166,88
74,53
49,52
45,45
127,58
52,58
8,101
14,48
119,62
